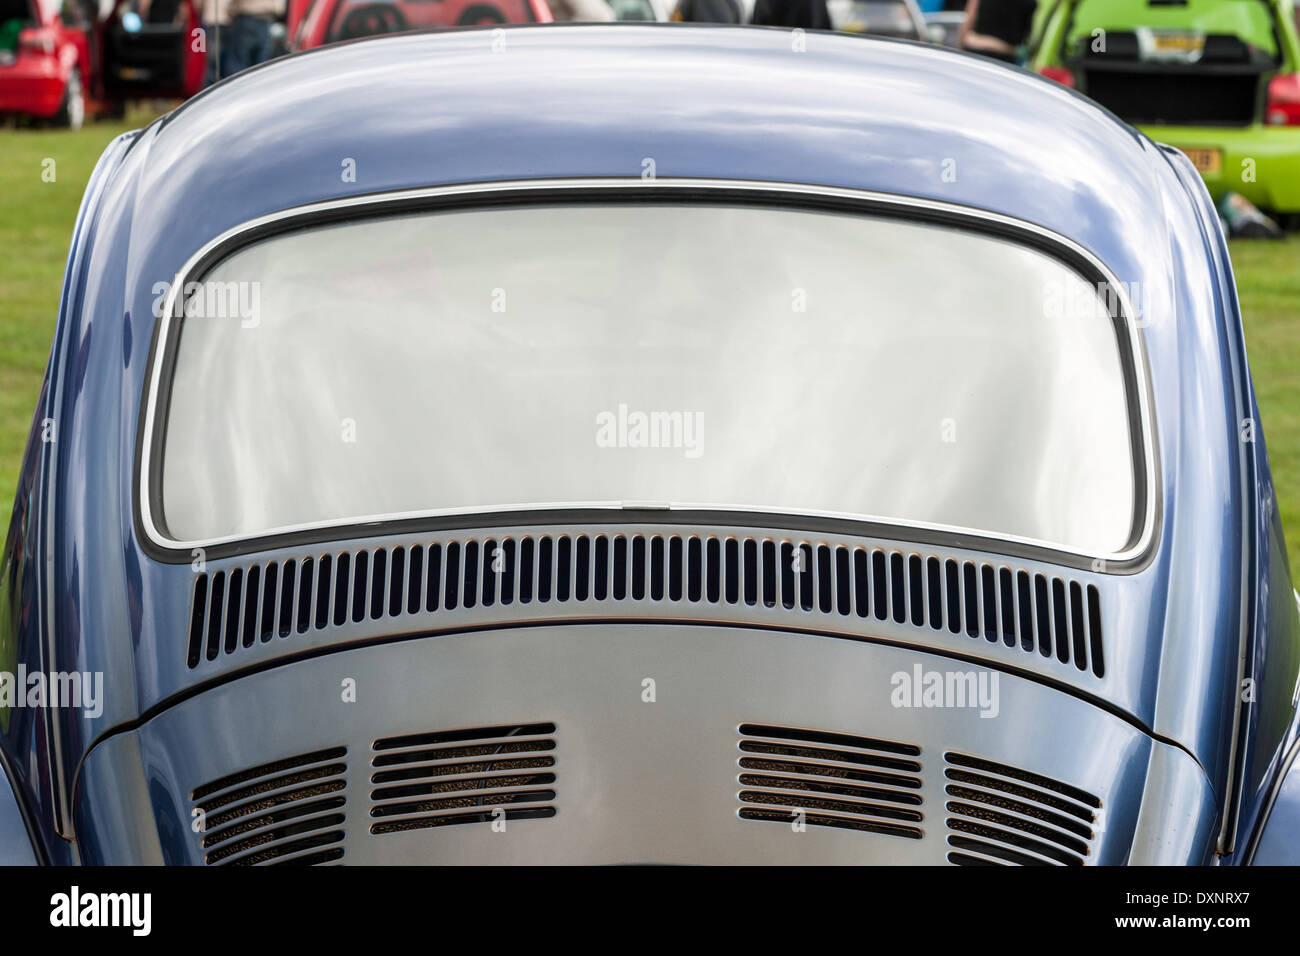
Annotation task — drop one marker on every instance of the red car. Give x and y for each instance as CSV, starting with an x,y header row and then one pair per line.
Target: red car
x,y
60,62
331,20
47,60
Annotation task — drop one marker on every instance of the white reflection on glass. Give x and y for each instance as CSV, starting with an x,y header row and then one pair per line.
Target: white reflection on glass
x,y
837,364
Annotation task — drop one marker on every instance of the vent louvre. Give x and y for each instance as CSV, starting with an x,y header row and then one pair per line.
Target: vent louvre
x,y
1000,815
1054,617
829,779
290,811
452,777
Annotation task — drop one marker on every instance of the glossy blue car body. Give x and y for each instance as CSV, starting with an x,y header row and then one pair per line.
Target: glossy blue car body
x,y
1207,611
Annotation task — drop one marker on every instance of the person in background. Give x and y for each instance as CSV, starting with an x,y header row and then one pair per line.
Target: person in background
x,y
242,34
214,19
808,14
581,11
996,28
250,30
707,11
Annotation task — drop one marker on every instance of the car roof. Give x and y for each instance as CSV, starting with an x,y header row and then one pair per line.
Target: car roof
x,y
565,101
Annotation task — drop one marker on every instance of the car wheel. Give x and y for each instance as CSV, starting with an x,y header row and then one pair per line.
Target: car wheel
x,y
72,111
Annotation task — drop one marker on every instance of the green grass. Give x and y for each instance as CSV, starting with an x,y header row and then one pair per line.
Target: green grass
x,y
1268,282
36,220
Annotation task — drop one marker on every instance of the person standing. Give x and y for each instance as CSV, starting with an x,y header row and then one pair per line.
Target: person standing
x,y
707,11
250,30
996,28
214,18
807,14
243,34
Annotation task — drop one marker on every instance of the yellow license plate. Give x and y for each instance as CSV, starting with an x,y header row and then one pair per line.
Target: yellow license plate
x,y
1179,42
1205,160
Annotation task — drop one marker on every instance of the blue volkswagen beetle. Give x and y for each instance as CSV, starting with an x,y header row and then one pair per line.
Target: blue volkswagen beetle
x,y
557,444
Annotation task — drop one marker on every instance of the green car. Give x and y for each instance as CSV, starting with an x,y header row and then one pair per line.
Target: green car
x,y
1216,78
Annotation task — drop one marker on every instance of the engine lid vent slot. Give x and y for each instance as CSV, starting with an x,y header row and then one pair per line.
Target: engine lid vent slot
x,y
794,776
452,777
290,811
1015,609
1000,815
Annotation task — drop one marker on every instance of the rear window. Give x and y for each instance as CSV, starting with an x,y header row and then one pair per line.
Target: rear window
x,y
359,18
735,357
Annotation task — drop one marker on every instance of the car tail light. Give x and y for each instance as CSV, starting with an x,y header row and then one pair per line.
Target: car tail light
x,y
42,41
1283,100
1060,74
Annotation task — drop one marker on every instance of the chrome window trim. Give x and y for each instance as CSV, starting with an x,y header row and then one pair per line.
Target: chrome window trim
x,y
373,204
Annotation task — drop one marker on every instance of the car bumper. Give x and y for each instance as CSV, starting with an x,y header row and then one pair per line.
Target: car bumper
x,y
1262,163
32,88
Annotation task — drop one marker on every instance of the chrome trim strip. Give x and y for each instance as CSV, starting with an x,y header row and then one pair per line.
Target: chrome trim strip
x,y
1044,799
234,832
375,202
880,791
540,802
915,829
985,857
289,840
1009,844
458,745
437,796
1044,822
473,777
264,795
899,781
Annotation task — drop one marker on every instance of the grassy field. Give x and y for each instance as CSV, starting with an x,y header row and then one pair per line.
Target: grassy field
x,y
1268,282
36,219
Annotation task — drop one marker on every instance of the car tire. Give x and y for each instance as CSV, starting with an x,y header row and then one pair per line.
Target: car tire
x,y
72,110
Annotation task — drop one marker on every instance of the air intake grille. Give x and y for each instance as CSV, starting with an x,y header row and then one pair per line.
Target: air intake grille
x,y
1047,616
825,779
1001,815
289,811
462,776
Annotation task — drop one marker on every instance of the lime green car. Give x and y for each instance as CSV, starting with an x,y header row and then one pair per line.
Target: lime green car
x,y
1216,78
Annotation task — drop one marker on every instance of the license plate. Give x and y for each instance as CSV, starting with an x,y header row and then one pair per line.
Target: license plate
x,y
1178,42
1204,159
1169,46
